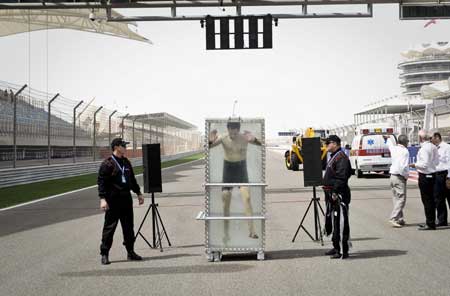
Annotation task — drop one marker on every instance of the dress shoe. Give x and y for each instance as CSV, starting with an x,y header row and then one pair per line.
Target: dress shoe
x,y
426,227
442,224
336,256
133,256
105,260
330,252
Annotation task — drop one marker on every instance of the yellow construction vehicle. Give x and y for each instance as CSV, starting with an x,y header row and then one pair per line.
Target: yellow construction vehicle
x,y
293,157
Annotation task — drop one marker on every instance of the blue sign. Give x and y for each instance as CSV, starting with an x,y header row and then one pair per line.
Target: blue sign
x,y
413,153
370,142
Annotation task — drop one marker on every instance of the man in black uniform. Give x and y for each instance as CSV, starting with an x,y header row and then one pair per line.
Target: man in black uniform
x,y
115,180
337,198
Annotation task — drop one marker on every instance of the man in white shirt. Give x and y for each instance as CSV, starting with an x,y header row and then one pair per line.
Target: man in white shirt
x,y
440,188
427,160
399,175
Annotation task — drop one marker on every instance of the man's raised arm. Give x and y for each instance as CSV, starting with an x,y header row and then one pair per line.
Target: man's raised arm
x,y
214,139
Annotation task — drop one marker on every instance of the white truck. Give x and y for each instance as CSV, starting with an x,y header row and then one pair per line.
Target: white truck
x,y
369,151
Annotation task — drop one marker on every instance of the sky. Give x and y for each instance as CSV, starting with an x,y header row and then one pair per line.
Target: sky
x,y
319,72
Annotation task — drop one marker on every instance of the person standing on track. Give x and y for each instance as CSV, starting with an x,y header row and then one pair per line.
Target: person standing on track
x,y
399,175
427,161
115,180
337,198
441,193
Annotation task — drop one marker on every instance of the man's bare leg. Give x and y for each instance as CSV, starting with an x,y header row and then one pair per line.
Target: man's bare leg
x,y
245,194
226,198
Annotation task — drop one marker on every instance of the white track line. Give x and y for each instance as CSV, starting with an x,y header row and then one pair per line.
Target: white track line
x,y
75,191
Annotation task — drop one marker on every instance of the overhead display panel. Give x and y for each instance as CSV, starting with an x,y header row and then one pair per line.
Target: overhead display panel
x,y
424,11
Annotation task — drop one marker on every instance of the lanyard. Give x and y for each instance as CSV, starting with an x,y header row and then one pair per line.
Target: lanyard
x,y
122,169
330,162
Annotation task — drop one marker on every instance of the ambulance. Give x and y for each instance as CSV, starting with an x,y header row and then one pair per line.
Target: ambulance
x,y
369,151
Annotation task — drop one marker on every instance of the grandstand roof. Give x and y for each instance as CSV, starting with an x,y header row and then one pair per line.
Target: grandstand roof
x,y
395,105
163,119
427,49
437,90
15,21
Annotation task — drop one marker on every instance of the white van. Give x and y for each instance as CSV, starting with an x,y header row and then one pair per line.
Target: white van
x,y
369,151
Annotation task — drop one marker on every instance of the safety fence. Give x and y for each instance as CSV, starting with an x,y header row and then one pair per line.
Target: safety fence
x,y
26,175
38,128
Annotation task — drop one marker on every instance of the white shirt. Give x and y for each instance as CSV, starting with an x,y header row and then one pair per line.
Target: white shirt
x,y
427,158
444,157
400,159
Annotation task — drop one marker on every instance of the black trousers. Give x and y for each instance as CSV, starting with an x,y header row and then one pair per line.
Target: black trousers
x,y
440,195
121,209
426,186
448,197
337,211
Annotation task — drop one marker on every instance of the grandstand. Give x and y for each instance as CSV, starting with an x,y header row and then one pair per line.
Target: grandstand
x,y
91,140
423,65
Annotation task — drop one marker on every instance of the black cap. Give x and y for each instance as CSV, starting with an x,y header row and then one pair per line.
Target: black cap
x,y
118,142
333,138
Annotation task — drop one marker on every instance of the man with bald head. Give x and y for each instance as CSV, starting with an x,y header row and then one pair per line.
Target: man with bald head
x,y
427,161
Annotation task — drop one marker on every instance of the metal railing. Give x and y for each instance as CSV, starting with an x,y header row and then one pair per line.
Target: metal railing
x,y
427,58
408,81
38,128
425,70
27,175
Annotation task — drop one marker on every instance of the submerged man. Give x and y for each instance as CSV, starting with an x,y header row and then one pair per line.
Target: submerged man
x,y
235,169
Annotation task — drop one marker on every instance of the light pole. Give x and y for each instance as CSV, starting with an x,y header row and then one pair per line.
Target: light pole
x,y
75,129
234,108
94,148
109,125
15,125
123,124
49,126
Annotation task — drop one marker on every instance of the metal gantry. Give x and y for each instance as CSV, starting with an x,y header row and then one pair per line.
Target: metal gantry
x,y
174,9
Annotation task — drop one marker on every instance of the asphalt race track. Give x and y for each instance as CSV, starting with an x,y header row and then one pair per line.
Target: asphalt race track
x,y
52,247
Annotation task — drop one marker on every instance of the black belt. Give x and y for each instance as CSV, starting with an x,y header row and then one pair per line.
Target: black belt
x,y
428,175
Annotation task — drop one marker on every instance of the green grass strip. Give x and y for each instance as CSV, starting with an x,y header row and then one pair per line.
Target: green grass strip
x,y
18,194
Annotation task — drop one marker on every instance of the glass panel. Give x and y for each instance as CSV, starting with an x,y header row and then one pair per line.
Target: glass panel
x,y
236,153
235,234
244,201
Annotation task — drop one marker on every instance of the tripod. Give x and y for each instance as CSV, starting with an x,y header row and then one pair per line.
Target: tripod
x,y
156,220
315,201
